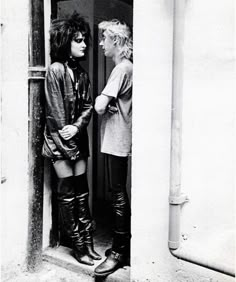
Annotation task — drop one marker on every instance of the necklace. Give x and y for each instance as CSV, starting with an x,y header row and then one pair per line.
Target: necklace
x,y
73,63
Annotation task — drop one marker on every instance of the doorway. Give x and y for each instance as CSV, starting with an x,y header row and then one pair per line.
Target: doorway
x,y
99,69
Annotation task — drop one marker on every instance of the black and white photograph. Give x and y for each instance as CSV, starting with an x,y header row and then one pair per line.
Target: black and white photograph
x,y
118,140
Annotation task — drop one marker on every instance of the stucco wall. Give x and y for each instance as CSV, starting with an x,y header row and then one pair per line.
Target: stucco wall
x,y
208,116
14,133
207,134
208,110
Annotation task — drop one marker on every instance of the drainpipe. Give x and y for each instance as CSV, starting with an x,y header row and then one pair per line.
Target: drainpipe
x,y
176,197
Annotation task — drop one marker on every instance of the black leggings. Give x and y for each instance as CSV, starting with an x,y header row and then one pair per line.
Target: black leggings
x,y
117,172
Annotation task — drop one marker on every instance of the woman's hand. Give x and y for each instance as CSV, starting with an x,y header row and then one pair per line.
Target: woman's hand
x,y
68,131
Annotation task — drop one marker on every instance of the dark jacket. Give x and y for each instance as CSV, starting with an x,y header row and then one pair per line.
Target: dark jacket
x,y
64,106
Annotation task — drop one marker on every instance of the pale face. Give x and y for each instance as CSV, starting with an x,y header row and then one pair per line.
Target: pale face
x,y
78,46
108,45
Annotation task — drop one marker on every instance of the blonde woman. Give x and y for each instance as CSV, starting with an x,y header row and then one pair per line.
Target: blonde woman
x,y
115,106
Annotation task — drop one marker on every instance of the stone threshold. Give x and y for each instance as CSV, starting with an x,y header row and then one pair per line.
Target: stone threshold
x,y
62,256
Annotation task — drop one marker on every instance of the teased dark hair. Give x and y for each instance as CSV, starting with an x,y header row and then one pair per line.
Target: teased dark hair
x,y
62,32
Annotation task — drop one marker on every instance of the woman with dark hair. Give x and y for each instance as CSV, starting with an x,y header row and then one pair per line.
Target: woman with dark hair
x,y
68,112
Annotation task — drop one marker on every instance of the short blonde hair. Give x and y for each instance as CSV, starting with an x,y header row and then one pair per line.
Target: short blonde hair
x,y
122,33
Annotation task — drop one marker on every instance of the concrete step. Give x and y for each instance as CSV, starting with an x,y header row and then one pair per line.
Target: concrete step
x,y
62,256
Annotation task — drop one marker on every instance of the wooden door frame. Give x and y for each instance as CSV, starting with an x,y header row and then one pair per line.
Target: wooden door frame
x,y
36,76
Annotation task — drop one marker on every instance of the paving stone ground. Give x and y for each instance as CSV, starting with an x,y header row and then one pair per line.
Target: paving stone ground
x,y
48,273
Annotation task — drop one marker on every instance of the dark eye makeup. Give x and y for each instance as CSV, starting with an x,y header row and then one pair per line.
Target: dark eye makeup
x,y
79,40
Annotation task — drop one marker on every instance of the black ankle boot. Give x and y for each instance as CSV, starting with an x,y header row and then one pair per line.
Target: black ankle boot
x,y
113,262
126,260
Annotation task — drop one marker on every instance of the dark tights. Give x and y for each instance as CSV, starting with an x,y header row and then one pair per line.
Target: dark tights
x,y
117,173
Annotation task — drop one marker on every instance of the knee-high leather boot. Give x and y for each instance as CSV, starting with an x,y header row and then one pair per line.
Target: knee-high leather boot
x,y
66,203
83,215
118,255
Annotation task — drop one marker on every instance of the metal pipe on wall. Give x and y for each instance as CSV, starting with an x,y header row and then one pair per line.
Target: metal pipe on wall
x,y
176,199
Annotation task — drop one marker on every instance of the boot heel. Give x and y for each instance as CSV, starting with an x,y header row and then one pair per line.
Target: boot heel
x,y
82,257
91,252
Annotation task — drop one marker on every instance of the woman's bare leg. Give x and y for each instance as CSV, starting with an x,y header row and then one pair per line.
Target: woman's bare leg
x,y
80,167
63,168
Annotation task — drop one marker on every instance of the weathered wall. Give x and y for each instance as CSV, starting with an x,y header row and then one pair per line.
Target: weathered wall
x,y
208,109
208,116
206,136
207,133
151,260
14,107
